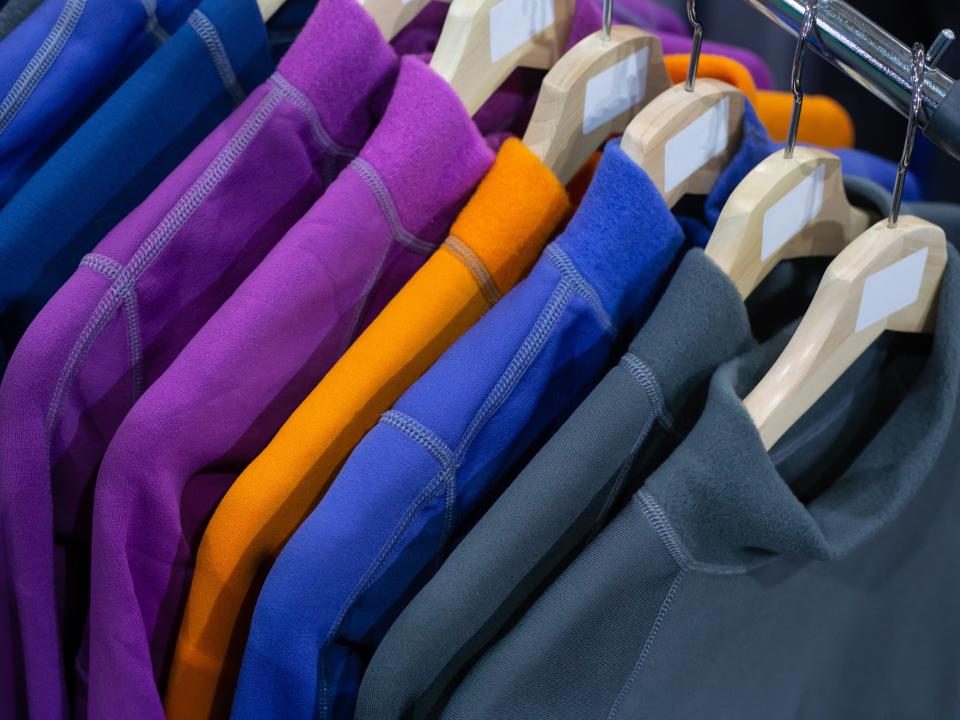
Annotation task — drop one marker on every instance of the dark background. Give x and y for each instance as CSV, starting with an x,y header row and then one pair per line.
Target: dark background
x,y
879,128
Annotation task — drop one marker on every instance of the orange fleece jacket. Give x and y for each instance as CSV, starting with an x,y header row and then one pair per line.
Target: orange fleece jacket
x,y
516,210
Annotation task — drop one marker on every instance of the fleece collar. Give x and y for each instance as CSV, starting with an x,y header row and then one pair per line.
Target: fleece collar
x,y
726,505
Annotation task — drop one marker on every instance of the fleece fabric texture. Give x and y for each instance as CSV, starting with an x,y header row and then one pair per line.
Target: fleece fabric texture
x,y
492,245
415,480
568,491
61,62
15,12
806,570
249,367
622,431
823,122
134,140
133,304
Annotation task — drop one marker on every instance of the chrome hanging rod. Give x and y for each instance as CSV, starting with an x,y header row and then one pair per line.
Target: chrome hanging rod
x,y
873,57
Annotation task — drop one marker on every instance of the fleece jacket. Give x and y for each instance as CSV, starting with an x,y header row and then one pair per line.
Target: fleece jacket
x,y
493,244
134,140
741,583
418,476
251,364
620,433
61,62
133,304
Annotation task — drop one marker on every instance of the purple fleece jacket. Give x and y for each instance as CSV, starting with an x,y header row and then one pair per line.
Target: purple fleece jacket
x,y
131,307
246,370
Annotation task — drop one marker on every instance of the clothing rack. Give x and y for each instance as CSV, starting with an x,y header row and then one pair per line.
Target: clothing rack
x,y
873,57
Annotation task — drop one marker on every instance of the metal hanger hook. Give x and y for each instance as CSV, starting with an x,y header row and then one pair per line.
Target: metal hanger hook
x,y
916,107
809,23
607,19
697,43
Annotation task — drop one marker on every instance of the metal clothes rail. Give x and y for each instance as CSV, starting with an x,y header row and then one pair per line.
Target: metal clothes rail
x,y
866,52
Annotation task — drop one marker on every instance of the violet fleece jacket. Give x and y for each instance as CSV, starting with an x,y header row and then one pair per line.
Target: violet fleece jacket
x,y
132,306
246,370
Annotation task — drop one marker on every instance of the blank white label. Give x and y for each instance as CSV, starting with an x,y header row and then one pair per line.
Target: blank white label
x,y
891,289
513,22
696,145
792,213
614,90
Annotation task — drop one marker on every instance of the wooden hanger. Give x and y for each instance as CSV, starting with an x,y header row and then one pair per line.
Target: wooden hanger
x,y
392,16
268,8
484,41
887,279
591,93
784,208
683,140
686,136
793,204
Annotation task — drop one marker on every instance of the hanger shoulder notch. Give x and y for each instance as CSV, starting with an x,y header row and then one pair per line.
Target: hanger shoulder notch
x,y
887,279
784,208
591,93
483,41
684,139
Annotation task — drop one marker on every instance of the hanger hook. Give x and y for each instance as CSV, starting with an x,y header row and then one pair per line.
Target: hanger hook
x,y
607,19
916,106
809,22
697,43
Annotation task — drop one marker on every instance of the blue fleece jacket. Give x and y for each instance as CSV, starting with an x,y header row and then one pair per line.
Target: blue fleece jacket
x,y
123,151
63,61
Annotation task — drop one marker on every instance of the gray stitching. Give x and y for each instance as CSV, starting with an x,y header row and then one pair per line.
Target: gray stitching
x,y
174,220
645,651
519,363
202,187
106,266
361,303
154,243
293,94
420,434
439,480
441,452
671,540
208,33
152,26
41,62
135,340
622,473
475,265
568,269
647,378
381,194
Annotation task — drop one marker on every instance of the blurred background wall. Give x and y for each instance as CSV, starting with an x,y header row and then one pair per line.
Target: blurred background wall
x,y
879,129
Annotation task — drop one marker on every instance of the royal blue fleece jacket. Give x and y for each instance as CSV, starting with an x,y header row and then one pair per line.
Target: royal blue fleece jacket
x,y
61,63
432,460
122,152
